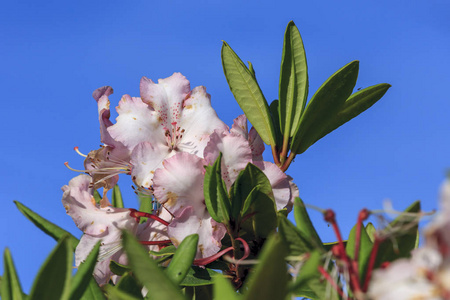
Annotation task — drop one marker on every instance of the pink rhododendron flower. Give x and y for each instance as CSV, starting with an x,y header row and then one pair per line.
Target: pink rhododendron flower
x,y
168,118
238,149
178,186
105,224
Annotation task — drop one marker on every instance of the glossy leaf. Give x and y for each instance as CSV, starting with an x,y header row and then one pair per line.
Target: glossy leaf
x,y
371,230
93,291
402,236
269,279
273,108
248,179
148,273
197,276
46,226
293,90
304,223
215,192
145,206
260,214
248,94
54,277
324,105
117,268
84,274
353,106
10,284
116,198
116,294
223,289
297,242
183,258
129,285
365,248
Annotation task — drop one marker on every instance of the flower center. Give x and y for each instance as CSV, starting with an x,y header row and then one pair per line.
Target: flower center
x,y
174,135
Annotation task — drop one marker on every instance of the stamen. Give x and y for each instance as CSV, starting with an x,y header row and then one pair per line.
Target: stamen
x,y
78,151
138,214
72,169
164,242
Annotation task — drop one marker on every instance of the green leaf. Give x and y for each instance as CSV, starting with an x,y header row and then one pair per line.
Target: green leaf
x,y
248,94
296,241
365,248
269,279
260,213
116,294
324,105
145,206
216,196
304,223
129,285
166,251
248,179
273,108
83,276
183,258
371,230
223,289
307,271
148,273
117,268
353,106
46,226
116,198
10,284
293,90
93,291
54,277
197,276
402,236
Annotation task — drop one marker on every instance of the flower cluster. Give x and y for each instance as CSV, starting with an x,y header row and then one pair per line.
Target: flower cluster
x,y
163,140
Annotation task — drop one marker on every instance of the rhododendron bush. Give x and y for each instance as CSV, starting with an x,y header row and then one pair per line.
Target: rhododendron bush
x,y
212,220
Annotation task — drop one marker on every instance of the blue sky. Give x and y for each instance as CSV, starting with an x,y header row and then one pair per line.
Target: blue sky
x,y
55,53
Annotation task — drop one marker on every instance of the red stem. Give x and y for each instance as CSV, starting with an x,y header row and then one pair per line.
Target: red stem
x,y
164,242
139,214
372,259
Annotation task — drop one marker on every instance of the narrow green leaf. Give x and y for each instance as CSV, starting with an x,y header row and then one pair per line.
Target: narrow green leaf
x,y
353,106
10,284
223,289
273,107
248,94
251,69
54,277
93,291
148,273
83,276
216,196
293,90
46,226
296,241
183,258
129,285
262,211
145,206
116,198
248,179
324,105
307,271
166,251
304,223
116,294
197,276
117,268
269,279
371,230
402,232
365,247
